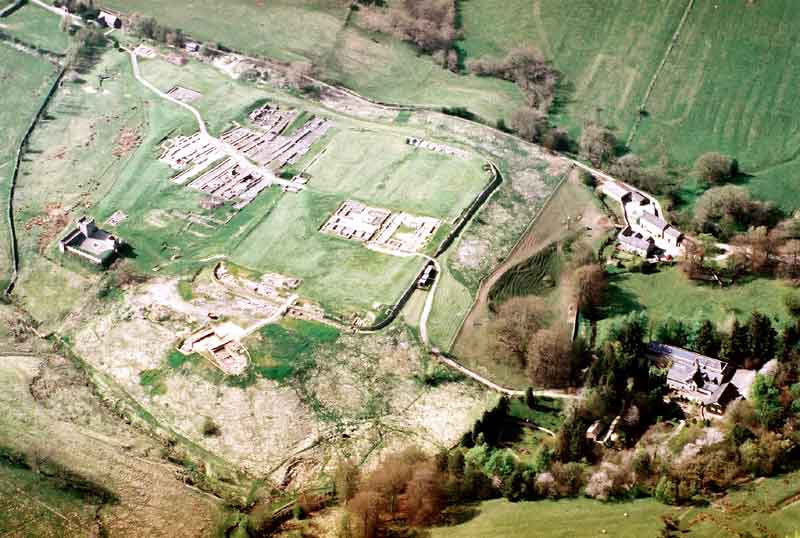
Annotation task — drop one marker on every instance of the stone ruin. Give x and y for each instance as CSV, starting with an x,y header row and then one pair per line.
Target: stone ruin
x,y
436,148
381,229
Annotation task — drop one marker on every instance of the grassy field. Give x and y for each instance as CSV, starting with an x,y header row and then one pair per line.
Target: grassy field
x,y
79,165
735,95
30,77
380,168
669,293
385,69
31,506
763,508
319,31
285,29
607,51
37,27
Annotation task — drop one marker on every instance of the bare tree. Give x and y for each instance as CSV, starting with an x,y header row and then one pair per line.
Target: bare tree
x,y
591,282
529,123
516,320
552,359
365,509
597,143
425,495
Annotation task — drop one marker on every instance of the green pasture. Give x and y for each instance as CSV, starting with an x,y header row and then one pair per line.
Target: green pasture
x,y
30,77
606,51
668,293
281,350
378,167
38,27
289,30
761,508
223,98
451,305
736,95
385,69
343,275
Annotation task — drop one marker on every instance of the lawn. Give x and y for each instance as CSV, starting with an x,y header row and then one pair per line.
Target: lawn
x,y
668,293
761,508
31,78
38,27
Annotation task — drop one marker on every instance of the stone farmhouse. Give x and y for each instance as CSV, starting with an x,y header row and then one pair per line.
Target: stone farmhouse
x,y
659,228
696,378
90,242
635,243
644,225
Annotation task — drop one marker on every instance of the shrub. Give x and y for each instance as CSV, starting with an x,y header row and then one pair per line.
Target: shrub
x,y
716,167
210,428
666,491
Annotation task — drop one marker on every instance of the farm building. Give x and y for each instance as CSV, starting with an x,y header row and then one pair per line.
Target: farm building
x,y
90,242
659,228
635,243
615,191
696,378
108,19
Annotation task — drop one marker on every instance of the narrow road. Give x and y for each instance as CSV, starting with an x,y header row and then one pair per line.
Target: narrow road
x,y
77,21
426,311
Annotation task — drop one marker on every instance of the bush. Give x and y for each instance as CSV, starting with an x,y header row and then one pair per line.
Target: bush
x,y
666,491
716,167
210,428
792,302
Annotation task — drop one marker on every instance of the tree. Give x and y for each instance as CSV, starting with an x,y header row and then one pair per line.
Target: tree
x,y
552,359
716,167
530,399
528,123
597,143
765,396
517,319
346,479
425,497
674,332
627,168
758,248
455,463
666,491
365,509
591,282
556,139
763,338
736,346
706,340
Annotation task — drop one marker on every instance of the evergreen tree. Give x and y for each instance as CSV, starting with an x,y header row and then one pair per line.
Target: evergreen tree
x,y
736,346
706,340
763,337
530,399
